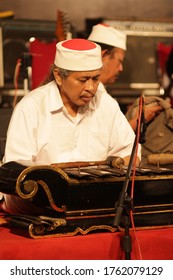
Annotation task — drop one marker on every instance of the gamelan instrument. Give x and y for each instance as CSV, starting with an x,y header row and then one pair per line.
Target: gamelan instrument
x,y
81,197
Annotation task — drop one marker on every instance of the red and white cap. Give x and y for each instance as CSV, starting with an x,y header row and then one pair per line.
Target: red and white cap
x,y
78,55
105,34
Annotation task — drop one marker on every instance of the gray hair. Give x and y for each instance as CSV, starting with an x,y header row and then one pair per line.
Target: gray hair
x,y
50,77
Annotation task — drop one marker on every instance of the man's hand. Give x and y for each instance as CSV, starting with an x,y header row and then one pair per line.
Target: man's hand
x,y
150,113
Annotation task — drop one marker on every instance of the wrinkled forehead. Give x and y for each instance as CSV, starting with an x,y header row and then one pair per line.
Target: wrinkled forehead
x,y
92,73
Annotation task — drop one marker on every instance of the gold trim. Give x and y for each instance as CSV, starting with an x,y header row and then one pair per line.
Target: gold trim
x,y
93,228
29,169
73,233
31,186
111,211
50,198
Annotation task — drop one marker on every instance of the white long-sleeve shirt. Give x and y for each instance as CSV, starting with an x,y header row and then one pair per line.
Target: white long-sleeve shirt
x,y
42,132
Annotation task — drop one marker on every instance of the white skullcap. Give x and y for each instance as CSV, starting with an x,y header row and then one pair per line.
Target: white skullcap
x,y
105,34
78,55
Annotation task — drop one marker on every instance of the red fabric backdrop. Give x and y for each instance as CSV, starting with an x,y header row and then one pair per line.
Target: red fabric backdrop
x,y
155,244
163,53
43,54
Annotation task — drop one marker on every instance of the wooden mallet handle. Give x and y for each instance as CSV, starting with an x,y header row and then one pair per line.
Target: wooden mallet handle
x,y
111,161
160,159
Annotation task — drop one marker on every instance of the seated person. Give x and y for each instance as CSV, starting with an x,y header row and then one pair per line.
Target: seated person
x,y
158,105
71,118
113,48
113,45
168,75
159,132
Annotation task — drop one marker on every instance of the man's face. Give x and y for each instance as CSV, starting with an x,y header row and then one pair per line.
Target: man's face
x,y
112,66
79,88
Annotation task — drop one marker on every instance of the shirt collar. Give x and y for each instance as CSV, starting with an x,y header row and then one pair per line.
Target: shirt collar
x,y
55,97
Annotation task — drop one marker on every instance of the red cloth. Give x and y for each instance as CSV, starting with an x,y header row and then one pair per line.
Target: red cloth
x,y
43,54
163,53
155,244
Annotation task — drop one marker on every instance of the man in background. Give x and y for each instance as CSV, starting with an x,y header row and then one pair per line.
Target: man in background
x,y
113,46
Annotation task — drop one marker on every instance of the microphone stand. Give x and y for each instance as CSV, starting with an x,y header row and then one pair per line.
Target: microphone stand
x,y
125,204
26,62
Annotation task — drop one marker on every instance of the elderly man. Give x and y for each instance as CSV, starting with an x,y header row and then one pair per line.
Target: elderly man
x,y
158,112
113,45
68,119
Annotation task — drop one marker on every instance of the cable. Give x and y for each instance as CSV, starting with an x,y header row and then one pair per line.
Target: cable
x,y
138,132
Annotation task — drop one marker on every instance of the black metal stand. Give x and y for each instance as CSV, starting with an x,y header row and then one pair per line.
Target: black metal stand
x,y
127,244
123,207
26,62
125,204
